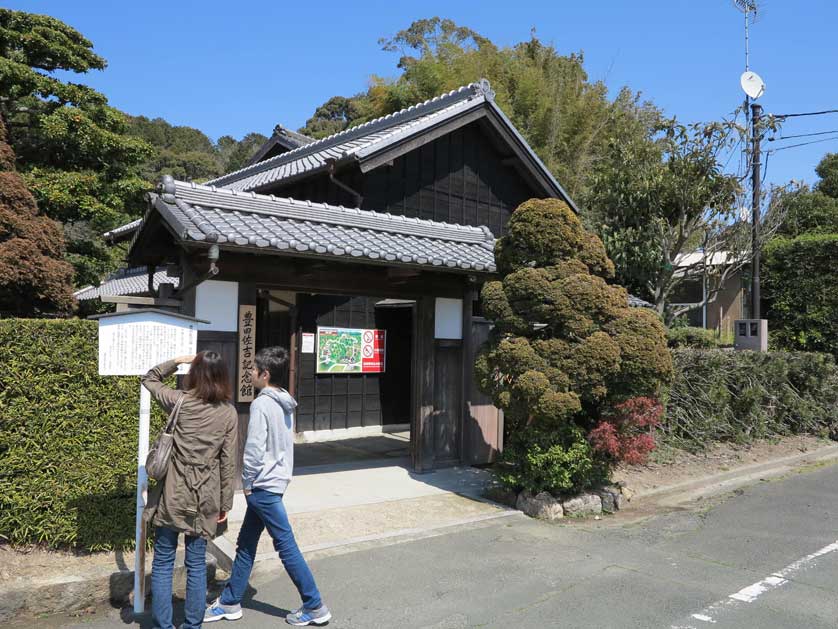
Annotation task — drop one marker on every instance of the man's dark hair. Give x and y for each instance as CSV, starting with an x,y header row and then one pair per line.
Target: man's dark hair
x,y
274,360
208,378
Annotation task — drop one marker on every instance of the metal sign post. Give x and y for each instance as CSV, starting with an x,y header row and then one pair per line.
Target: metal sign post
x,y
131,343
142,495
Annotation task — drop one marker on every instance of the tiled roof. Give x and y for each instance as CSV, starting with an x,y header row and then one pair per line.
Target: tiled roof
x,y
283,137
636,302
123,231
133,281
200,213
364,141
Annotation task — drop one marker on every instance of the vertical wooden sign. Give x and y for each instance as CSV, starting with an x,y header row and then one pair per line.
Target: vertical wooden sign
x,y
247,351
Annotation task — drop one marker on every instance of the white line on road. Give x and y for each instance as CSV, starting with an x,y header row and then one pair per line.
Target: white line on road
x,y
753,592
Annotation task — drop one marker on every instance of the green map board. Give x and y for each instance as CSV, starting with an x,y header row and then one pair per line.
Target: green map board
x,y
350,350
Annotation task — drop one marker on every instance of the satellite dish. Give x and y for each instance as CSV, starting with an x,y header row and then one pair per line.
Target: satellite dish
x,y
752,84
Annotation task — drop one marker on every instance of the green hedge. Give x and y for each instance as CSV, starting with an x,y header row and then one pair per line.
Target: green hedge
x,y
800,283
68,439
698,338
719,395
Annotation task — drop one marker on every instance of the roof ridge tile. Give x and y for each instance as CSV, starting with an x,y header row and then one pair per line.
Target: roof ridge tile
x,y
475,88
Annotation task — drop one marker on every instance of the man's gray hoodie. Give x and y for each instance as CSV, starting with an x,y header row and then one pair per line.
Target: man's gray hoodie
x,y
269,449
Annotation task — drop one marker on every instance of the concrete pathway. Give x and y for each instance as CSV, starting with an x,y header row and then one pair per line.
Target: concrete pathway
x,y
766,557
332,506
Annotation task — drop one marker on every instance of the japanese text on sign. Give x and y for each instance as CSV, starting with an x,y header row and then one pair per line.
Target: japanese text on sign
x,y
134,343
247,350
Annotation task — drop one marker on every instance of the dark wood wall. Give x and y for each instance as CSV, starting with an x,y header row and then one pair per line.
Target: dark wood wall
x,y
353,400
458,178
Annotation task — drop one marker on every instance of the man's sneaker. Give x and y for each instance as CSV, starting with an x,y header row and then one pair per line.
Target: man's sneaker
x,y
217,611
303,616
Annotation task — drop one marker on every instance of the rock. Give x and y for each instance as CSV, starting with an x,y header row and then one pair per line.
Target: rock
x,y
612,499
582,505
542,506
627,492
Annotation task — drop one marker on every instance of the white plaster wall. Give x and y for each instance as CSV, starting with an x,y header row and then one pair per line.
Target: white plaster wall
x,y
218,302
448,318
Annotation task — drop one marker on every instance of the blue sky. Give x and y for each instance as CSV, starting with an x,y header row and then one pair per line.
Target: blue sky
x,y
231,68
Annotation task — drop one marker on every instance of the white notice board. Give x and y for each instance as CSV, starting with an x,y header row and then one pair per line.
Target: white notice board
x,y
131,344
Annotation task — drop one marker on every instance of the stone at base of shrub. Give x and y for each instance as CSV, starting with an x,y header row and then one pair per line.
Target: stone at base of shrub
x,y
612,499
542,506
582,505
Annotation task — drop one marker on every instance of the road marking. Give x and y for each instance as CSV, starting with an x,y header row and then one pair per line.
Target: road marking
x,y
754,591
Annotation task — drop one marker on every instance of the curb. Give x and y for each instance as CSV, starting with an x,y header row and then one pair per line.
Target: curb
x,y
71,593
717,484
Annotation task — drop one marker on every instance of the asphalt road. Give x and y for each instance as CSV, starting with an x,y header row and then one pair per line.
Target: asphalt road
x,y
765,557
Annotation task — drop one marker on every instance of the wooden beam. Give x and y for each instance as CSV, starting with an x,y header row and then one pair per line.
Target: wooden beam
x,y
422,424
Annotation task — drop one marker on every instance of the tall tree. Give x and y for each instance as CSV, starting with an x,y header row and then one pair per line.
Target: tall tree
x,y
668,212
72,148
567,118
34,279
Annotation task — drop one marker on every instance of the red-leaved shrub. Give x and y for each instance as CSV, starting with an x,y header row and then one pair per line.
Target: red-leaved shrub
x,y
626,434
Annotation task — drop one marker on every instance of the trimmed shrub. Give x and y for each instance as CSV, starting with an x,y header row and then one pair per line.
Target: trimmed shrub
x,y
565,350
68,439
800,288
740,396
698,338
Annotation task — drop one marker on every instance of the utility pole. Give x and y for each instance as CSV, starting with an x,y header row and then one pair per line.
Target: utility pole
x,y
756,113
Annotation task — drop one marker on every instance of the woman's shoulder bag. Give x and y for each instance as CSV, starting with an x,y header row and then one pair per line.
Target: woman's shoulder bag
x,y
157,461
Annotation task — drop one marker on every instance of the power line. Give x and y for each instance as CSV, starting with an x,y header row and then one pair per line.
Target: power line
x,y
802,135
807,113
791,146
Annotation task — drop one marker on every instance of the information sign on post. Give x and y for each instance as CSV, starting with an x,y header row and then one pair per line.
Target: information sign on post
x,y
131,343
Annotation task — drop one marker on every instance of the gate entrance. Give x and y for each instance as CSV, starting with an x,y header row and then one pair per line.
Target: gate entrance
x,y
344,418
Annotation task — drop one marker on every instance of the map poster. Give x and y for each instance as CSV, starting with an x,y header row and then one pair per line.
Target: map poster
x,y
350,350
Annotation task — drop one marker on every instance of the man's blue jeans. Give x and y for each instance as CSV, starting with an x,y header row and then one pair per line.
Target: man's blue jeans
x,y
265,510
165,547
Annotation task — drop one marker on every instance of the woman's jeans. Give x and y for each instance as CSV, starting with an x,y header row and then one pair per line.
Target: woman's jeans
x,y
265,510
165,547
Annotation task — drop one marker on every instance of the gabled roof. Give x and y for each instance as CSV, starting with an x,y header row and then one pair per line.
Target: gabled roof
x,y
245,220
286,139
382,139
133,281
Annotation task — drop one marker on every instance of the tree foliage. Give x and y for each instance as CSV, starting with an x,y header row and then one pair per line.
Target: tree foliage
x,y
87,163
34,279
799,272
567,118
669,213
72,147
565,349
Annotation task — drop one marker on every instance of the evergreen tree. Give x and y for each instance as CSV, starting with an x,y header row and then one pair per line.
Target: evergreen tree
x,y
565,352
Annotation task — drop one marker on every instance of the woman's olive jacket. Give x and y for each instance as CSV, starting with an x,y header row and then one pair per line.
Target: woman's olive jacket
x,y
199,481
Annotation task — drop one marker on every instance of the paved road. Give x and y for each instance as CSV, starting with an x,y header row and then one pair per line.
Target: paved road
x,y
764,558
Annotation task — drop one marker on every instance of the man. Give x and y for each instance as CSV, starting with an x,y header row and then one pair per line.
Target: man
x,y
267,469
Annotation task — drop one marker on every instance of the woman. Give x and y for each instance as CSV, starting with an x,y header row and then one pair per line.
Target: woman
x,y
197,491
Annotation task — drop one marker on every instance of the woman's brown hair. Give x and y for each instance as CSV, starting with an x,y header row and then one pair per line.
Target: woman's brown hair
x,y
208,378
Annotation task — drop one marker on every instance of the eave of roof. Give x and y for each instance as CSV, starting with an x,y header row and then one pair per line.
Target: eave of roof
x,y
130,281
203,214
